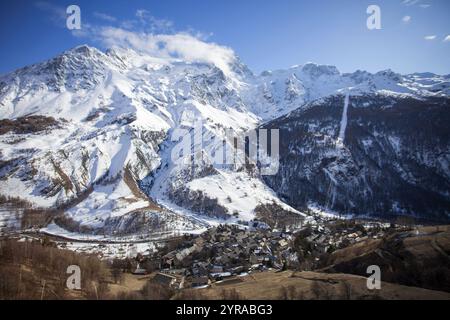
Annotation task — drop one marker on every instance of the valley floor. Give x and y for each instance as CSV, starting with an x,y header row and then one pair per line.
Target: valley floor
x,y
414,261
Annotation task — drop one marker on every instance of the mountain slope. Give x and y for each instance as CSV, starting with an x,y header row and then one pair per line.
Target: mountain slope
x,y
392,157
105,154
94,134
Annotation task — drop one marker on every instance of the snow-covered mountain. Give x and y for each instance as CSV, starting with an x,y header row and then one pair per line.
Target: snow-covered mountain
x,y
279,92
94,134
367,155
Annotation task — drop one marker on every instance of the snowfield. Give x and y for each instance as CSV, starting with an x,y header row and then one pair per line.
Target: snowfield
x,y
238,192
108,163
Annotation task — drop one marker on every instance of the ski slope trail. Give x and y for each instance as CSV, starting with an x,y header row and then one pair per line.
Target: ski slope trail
x,y
344,120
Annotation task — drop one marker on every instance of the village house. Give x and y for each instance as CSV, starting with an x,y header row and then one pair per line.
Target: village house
x,y
200,281
167,280
216,269
139,270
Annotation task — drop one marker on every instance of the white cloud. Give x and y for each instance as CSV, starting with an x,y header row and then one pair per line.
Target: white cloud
x,y
410,2
156,37
57,13
447,38
87,30
151,23
182,46
104,16
141,13
416,2
406,19
429,38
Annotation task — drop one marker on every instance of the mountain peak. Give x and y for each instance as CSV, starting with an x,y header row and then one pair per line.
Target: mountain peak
x,y
83,50
316,70
388,73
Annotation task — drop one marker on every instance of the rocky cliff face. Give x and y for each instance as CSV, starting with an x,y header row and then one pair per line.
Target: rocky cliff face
x,y
394,157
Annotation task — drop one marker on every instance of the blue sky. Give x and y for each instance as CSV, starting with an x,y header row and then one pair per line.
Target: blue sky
x,y
265,34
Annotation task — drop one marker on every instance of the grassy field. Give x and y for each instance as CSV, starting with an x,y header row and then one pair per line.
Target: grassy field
x,y
313,285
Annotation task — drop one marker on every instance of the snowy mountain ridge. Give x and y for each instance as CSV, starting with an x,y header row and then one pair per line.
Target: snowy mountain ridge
x,y
116,113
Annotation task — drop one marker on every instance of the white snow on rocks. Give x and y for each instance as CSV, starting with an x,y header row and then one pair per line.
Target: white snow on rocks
x,y
117,111
344,119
